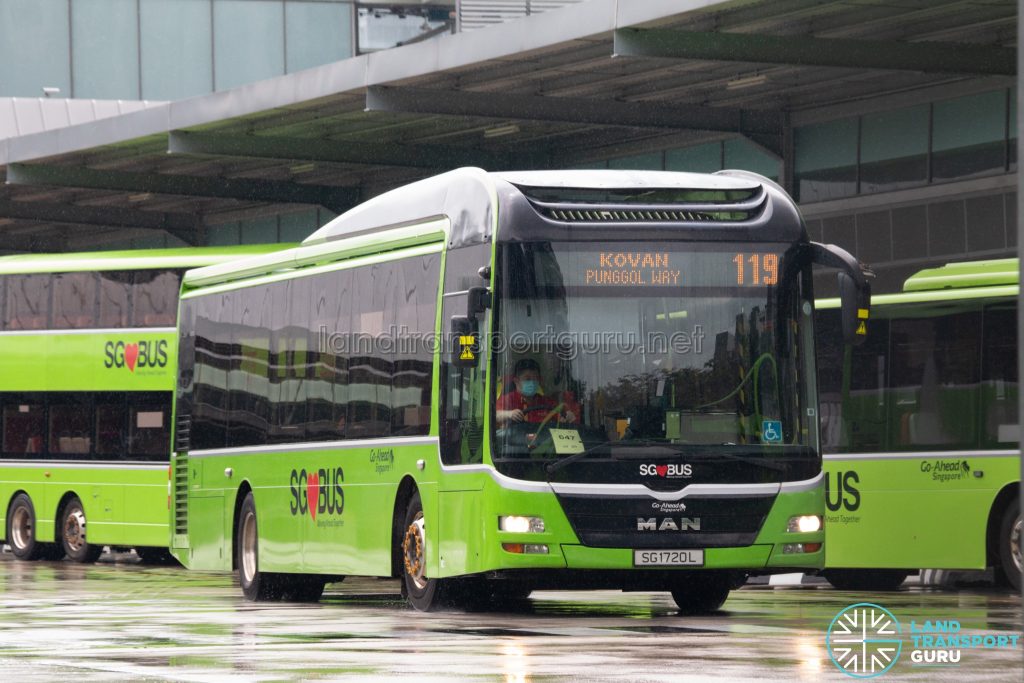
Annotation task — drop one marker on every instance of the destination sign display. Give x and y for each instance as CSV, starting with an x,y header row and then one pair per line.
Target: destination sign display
x,y
664,268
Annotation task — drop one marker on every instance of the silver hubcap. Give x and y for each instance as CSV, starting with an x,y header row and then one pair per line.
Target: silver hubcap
x,y
1015,533
249,548
21,528
74,530
412,547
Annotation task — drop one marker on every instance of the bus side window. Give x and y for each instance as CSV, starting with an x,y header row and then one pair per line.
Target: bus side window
x,y
463,401
999,394
935,378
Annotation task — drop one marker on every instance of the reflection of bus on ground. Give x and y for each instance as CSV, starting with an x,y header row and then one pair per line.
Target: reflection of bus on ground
x,y
920,430
320,432
88,346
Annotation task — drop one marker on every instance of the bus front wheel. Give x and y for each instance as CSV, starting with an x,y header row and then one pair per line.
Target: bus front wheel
x,y
1009,570
703,593
72,534
21,529
422,593
256,585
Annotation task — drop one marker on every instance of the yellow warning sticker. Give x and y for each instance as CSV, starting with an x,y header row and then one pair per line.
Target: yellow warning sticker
x,y
862,328
862,313
466,342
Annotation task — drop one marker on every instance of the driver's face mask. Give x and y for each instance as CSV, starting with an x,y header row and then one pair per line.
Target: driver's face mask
x,y
528,387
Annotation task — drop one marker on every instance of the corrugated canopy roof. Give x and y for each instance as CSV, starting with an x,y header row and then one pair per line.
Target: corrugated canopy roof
x,y
546,91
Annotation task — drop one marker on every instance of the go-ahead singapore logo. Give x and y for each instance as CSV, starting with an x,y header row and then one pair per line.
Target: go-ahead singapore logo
x,y
864,640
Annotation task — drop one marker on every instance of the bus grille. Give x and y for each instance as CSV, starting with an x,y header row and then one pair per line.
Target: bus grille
x,y
180,494
182,429
570,207
642,522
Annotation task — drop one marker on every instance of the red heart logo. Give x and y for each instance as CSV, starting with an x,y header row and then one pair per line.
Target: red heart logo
x,y
313,493
131,354
662,470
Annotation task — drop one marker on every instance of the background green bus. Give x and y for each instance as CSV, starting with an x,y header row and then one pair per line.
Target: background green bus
x,y
88,346
920,430
322,430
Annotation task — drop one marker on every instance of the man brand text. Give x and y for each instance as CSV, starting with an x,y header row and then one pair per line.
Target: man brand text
x,y
668,524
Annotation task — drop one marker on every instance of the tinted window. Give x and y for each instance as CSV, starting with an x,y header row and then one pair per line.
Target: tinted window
x,y
28,302
212,353
317,358
415,318
934,377
370,367
115,295
999,390
155,298
74,300
86,426
331,330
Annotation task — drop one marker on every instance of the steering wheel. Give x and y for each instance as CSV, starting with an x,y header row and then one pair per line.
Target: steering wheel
x,y
554,412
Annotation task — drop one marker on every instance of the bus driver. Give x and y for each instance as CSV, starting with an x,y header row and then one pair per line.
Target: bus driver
x,y
526,403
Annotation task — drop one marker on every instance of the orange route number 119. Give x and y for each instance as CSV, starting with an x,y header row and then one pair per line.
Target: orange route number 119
x,y
756,269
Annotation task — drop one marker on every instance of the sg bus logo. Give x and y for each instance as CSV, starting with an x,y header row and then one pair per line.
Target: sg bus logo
x,y
318,493
143,354
841,490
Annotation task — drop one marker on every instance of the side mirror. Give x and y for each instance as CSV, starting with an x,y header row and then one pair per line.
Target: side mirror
x,y
854,289
465,348
855,307
478,300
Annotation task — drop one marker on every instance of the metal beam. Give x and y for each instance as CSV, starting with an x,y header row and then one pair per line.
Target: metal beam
x,y
345,151
923,56
336,199
572,110
184,226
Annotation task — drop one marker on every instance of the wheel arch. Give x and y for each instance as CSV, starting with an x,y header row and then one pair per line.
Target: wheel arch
x,y
244,489
7,510
65,498
406,488
1003,499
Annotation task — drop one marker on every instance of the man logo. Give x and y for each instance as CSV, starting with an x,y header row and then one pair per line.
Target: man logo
x,y
668,524
863,640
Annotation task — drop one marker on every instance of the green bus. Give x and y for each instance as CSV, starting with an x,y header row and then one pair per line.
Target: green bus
x,y
88,342
490,383
920,430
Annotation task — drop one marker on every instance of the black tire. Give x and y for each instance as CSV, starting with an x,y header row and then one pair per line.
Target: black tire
x,y
883,580
702,593
256,585
21,529
161,557
1008,572
72,534
301,587
422,593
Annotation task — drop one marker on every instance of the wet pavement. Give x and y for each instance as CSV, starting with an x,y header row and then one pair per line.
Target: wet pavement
x,y
124,621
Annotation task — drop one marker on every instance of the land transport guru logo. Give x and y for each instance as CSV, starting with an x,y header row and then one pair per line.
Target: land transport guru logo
x,y
318,493
865,640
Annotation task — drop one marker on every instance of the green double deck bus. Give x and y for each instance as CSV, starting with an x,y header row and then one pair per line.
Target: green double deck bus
x,y
88,343
921,433
490,383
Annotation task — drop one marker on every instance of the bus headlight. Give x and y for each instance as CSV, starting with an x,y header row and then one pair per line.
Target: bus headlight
x,y
521,525
805,524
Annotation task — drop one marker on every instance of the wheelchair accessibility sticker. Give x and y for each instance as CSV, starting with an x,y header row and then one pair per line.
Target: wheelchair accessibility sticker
x,y
771,431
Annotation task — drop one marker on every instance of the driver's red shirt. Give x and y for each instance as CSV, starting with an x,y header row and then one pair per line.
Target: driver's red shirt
x,y
516,401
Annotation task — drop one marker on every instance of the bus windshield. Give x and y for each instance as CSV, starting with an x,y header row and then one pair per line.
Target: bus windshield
x,y
646,362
